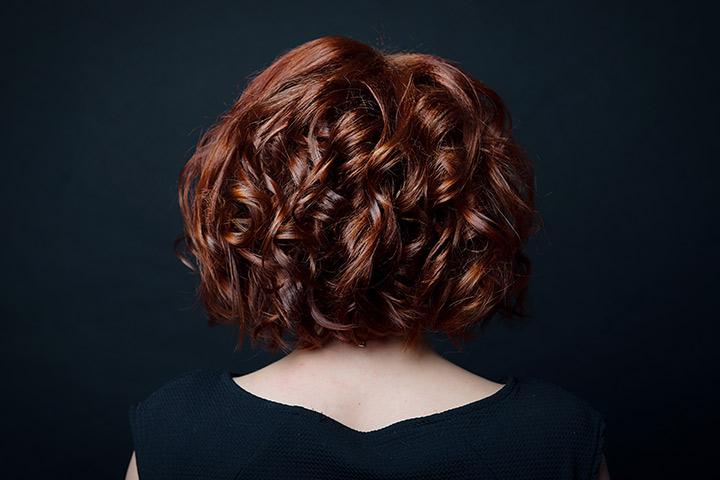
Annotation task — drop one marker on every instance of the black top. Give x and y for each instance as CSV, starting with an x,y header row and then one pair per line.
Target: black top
x,y
204,425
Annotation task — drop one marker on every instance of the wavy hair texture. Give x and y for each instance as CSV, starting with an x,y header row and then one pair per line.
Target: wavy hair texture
x,y
352,193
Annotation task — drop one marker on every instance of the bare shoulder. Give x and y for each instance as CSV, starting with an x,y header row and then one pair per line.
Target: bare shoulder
x,y
463,381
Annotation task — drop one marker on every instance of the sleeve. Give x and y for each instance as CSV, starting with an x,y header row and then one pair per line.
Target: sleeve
x,y
138,434
597,446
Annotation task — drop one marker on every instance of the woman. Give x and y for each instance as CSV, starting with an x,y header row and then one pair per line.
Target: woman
x,y
348,203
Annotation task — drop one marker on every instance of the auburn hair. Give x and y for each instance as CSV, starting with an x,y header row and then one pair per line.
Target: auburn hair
x,y
353,193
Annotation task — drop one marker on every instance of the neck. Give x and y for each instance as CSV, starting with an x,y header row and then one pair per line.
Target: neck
x,y
379,358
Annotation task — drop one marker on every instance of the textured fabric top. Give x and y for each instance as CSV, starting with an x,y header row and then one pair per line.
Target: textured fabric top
x,y
203,425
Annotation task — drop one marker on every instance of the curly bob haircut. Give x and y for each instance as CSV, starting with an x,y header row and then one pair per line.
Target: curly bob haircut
x,y
354,194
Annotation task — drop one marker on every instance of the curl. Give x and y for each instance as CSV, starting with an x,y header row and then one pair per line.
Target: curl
x,y
353,194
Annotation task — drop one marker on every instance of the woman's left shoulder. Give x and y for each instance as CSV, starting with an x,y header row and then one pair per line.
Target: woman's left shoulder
x,y
188,391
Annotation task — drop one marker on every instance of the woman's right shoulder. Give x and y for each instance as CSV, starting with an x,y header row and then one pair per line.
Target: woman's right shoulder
x,y
554,407
556,422
555,399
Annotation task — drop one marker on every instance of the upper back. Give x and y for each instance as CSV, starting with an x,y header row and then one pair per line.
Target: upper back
x,y
203,425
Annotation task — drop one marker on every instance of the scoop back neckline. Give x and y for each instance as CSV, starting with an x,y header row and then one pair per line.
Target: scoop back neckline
x,y
509,385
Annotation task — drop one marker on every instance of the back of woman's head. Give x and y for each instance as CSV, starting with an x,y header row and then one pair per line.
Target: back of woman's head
x,y
353,194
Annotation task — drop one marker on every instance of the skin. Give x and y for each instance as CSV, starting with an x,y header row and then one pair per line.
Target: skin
x,y
367,388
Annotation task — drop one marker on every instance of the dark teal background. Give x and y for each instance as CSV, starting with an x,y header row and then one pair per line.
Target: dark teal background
x,y
617,102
